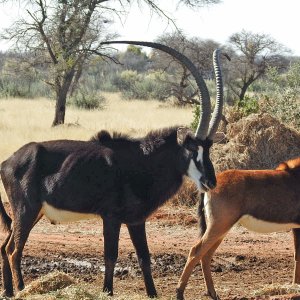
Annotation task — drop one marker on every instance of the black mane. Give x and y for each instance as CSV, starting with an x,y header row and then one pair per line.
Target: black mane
x,y
156,139
149,144
103,136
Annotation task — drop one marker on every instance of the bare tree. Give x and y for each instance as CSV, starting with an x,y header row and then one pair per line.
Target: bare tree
x,y
65,34
255,53
181,84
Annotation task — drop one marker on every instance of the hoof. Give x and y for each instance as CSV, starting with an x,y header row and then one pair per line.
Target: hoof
x,y
7,294
215,297
107,292
152,295
179,294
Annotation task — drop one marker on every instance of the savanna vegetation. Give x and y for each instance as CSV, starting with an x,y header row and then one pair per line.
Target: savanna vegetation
x,y
135,90
259,78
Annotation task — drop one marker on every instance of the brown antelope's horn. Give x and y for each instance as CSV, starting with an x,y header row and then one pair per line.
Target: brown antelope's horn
x,y
204,118
217,114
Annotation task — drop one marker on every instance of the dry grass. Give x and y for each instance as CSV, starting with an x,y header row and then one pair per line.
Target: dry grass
x,y
45,284
256,142
58,285
23,121
277,289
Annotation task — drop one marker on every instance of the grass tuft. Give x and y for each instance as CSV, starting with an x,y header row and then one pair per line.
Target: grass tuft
x,y
278,289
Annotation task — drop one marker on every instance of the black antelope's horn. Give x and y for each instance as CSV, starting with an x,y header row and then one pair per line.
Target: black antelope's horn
x,y
204,118
217,114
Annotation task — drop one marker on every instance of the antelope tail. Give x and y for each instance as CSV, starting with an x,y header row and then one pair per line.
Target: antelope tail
x,y
201,216
5,220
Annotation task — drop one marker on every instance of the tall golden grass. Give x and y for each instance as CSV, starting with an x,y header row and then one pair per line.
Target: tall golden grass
x,y
26,120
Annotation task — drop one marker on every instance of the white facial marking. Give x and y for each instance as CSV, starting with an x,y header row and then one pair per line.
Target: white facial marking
x,y
200,154
261,226
56,215
193,171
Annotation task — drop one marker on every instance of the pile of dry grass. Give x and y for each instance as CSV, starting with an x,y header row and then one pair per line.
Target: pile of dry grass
x,y
258,141
52,282
188,194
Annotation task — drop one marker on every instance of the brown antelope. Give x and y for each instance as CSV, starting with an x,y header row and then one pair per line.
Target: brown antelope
x,y
260,200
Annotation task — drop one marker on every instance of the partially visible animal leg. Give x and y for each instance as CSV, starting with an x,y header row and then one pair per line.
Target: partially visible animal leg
x,y
6,271
139,240
206,269
296,234
111,232
22,226
211,236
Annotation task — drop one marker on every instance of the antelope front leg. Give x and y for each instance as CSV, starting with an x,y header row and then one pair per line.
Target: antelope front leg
x,y
296,234
139,240
111,231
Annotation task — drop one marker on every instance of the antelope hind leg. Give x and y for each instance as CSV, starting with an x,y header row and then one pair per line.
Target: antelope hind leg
x,y
296,234
6,270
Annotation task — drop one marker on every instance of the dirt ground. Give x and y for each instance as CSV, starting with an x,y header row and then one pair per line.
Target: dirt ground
x,y
244,263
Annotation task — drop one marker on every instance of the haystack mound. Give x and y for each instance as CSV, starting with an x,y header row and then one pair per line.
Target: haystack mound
x,y
48,283
258,141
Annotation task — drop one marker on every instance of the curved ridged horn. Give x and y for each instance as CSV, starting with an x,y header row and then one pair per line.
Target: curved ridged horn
x,y
204,118
217,114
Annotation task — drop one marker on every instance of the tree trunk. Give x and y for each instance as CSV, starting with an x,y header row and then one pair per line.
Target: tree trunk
x,y
244,89
61,98
243,92
60,109
245,86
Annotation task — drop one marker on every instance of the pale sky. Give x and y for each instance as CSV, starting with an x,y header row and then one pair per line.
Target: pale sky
x,y
279,19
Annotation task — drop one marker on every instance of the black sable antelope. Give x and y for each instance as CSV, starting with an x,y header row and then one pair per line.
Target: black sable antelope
x,y
120,179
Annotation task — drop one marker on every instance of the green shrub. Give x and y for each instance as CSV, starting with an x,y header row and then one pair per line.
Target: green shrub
x,y
87,100
141,86
13,89
282,97
127,80
248,105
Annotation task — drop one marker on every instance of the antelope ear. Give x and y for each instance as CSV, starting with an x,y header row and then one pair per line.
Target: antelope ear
x,y
185,138
182,133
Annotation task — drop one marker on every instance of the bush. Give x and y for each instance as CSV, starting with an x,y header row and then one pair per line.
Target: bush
x,y
13,89
248,105
282,98
141,86
87,100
